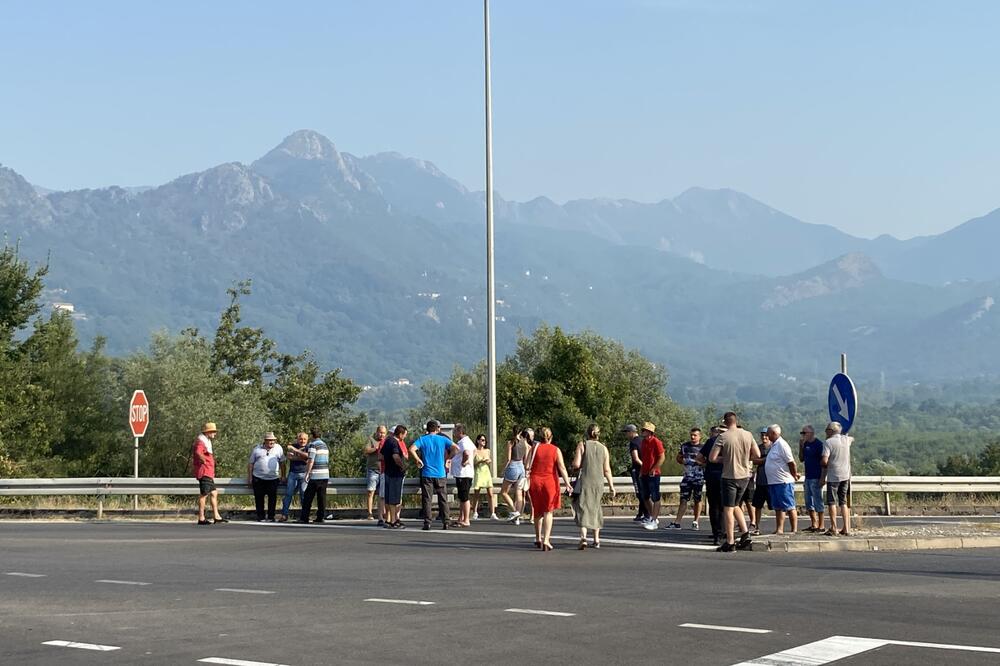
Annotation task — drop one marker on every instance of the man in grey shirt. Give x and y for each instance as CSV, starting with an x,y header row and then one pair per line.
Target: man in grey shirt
x,y
836,463
734,448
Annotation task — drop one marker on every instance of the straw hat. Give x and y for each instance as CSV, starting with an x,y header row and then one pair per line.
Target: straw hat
x,y
649,426
209,427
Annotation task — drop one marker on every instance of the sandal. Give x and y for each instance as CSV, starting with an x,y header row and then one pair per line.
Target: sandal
x,y
844,533
597,544
583,544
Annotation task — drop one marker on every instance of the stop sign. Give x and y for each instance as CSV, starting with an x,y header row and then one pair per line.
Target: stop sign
x,y
138,413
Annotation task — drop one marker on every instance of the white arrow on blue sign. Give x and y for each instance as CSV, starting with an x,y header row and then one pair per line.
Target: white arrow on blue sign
x,y
843,401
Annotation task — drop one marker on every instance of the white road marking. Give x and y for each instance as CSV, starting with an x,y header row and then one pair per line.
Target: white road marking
x,y
720,627
235,662
402,601
538,612
25,575
122,582
515,535
236,589
841,647
946,646
82,646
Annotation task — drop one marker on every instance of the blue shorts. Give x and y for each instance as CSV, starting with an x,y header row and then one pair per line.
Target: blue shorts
x,y
372,485
782,496
814,495
650,487
514,471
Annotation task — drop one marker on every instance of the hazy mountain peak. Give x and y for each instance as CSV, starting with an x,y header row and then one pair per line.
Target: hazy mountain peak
x,y
306,145
849,271
857,266
18,199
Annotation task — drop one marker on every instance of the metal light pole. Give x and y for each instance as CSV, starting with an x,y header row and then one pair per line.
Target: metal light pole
x,y
491,343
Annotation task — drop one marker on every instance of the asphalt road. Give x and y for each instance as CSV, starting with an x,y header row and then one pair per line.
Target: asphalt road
x,y
175,593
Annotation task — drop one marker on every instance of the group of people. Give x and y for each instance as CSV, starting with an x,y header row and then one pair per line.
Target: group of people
x,y
307,474
737,475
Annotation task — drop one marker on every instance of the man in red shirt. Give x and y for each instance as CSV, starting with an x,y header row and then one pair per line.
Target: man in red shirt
x,y
203,461
652,454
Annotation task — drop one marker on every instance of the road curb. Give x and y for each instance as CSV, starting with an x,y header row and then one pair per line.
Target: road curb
x,y
849,544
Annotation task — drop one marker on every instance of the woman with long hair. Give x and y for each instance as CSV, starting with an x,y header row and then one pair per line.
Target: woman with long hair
x,y
483,479
513,474
592,463
545,467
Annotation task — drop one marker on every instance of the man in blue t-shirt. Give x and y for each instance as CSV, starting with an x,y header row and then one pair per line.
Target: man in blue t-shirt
x,y
429,452
811,453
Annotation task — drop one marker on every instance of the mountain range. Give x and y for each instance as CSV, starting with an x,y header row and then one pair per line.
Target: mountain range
x,y
376,265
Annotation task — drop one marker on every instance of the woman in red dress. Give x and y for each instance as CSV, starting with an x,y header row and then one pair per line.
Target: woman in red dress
x,y
545,466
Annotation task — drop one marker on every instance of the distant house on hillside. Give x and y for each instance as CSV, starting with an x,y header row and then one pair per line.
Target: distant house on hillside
x,y
65,307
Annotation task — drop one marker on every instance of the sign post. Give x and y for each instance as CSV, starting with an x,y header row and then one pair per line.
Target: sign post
x,y
843,398
843,403
138,421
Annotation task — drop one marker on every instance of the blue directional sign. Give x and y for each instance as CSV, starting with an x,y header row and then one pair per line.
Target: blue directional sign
x,y
843,401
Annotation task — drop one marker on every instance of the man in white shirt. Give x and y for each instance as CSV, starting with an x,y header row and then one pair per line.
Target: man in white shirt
x,y
779,467
836,463
463,469
265,468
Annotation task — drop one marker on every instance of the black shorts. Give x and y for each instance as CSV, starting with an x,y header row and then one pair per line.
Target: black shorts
x,y
393,490
206,485
733,491
761,496
650,487
836,493
462,488
749,491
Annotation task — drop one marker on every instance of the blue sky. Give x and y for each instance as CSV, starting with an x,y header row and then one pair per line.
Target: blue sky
x,y
876,117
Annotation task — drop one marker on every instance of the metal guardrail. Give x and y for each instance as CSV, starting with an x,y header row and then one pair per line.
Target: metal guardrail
x,y
102,487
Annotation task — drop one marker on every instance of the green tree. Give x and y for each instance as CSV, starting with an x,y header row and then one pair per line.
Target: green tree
x,y
564,381
20,288
184,392
300,398
243,354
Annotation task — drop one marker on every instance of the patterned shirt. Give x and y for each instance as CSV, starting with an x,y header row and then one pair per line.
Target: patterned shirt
x,y
692,470
319,453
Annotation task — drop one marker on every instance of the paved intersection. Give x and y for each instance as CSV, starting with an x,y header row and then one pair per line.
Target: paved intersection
x,y
174,593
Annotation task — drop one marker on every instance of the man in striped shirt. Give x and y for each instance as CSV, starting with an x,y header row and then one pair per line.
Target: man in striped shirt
x,y
317,477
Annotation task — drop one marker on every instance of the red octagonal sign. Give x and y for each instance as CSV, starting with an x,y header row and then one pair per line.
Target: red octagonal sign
x,y
138,413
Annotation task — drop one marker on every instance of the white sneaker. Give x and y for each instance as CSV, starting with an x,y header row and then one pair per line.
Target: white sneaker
x,y
494,516
513,515
474,516
694,525
651,525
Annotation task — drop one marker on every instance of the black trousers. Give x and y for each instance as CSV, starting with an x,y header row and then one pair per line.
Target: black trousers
x,y
430,487
639,492
265,488
316,489
713,491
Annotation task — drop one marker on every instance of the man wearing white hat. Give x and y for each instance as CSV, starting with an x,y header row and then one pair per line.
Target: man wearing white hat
x,y
652,455
264,468
203,461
